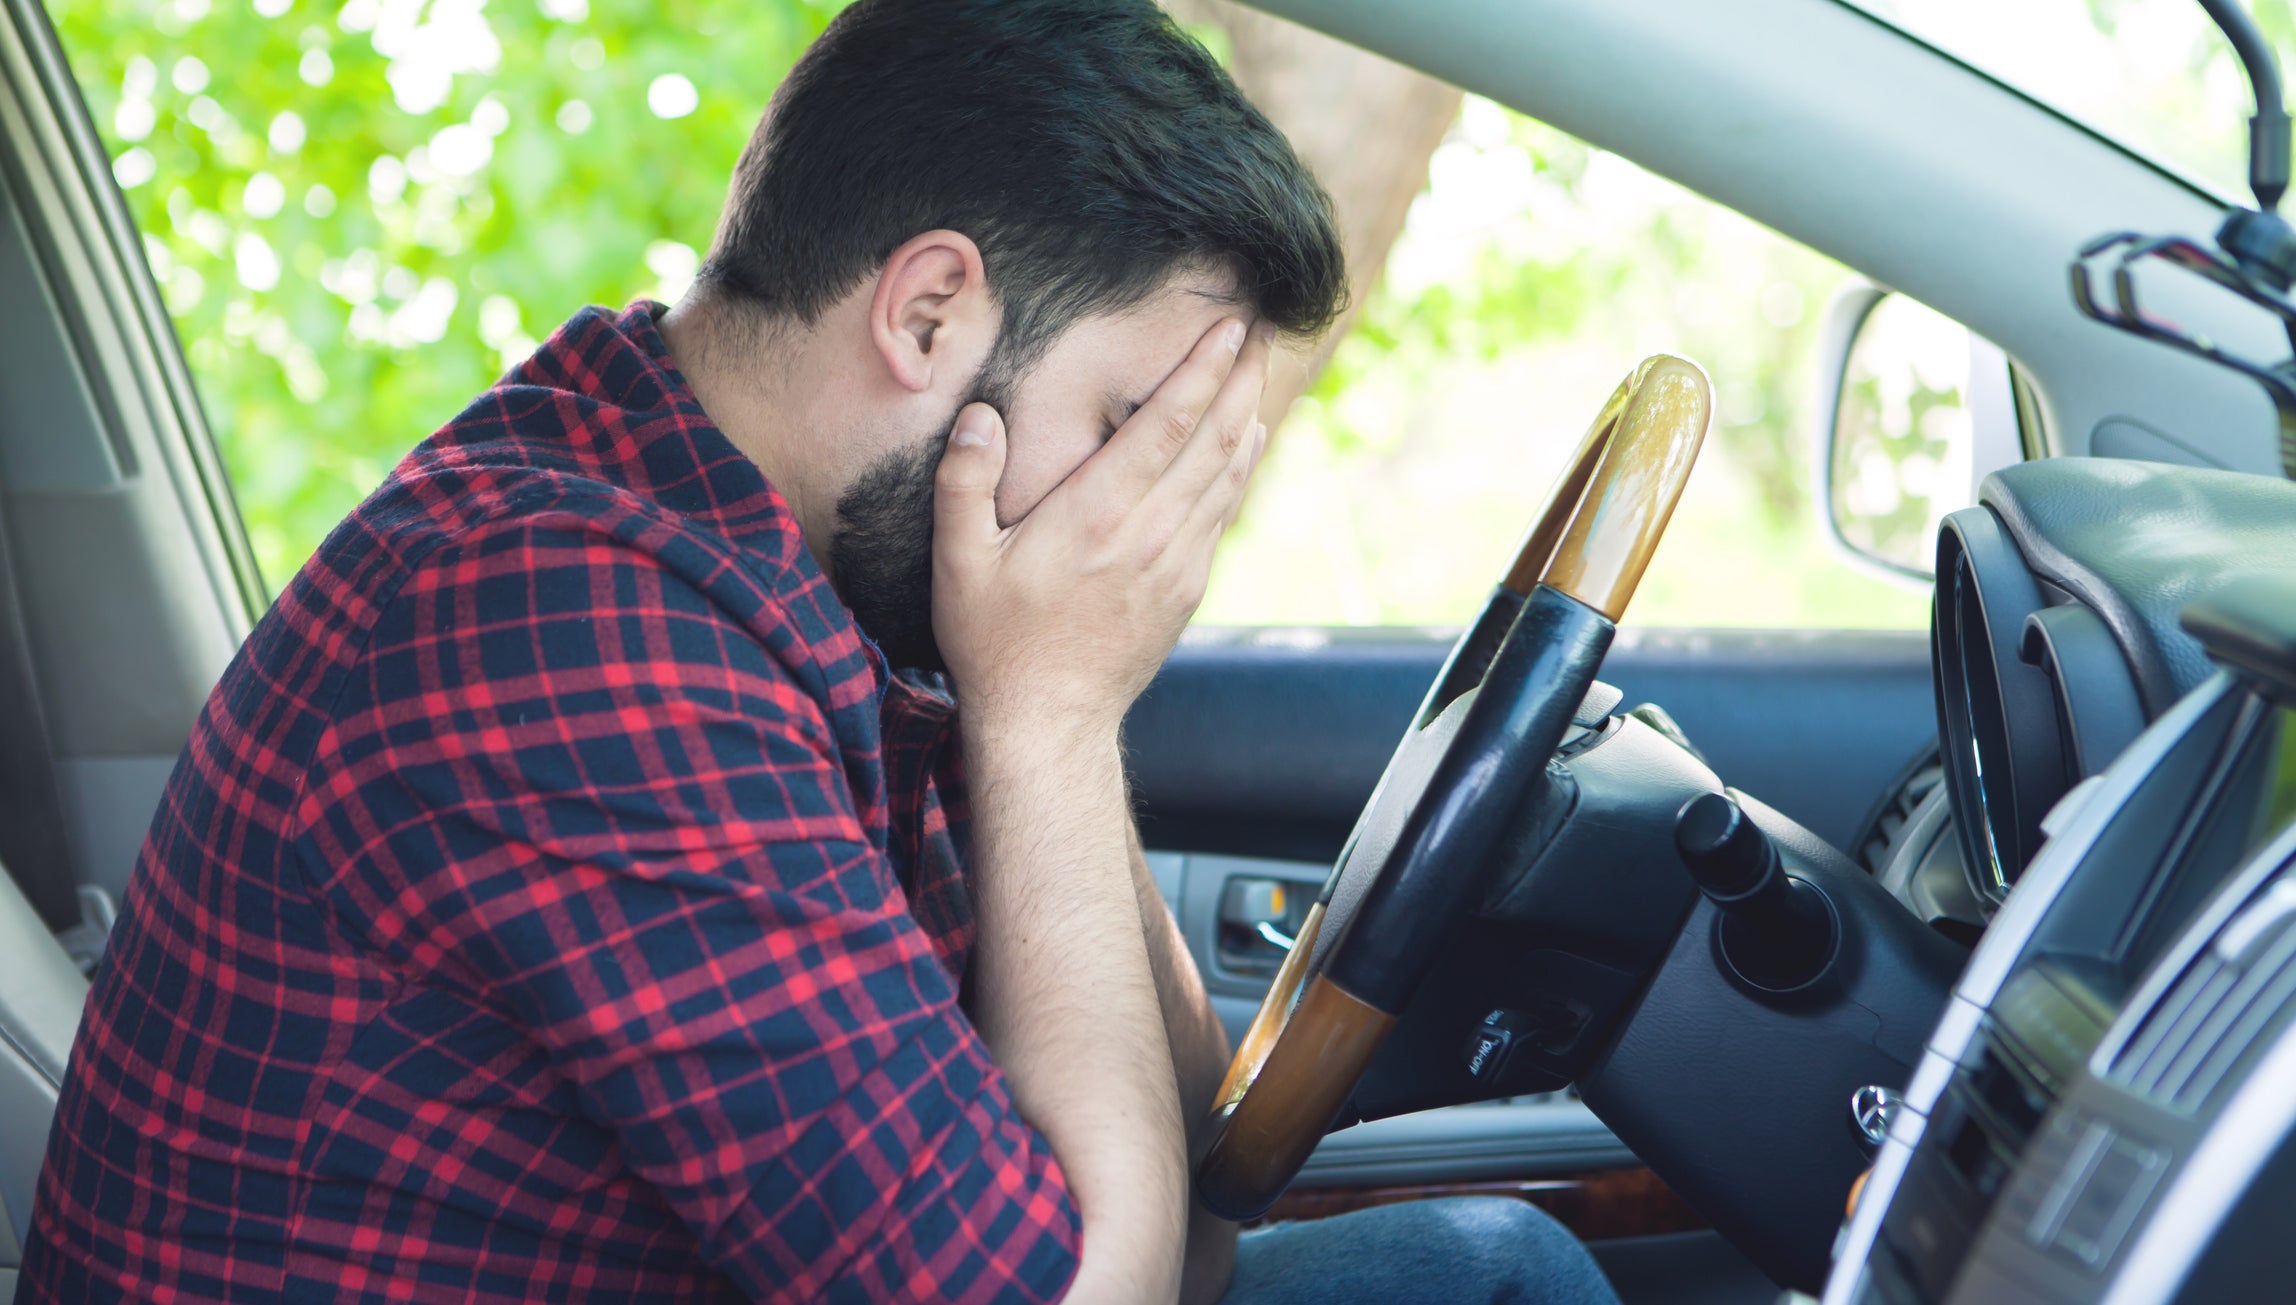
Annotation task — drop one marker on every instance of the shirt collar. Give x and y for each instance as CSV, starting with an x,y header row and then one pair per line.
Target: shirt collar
x,y
642,429
637,425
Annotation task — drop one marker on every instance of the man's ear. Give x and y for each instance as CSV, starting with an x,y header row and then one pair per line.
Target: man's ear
x,y
931,316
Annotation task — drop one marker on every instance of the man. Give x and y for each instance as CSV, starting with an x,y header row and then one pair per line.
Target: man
x,y
561,897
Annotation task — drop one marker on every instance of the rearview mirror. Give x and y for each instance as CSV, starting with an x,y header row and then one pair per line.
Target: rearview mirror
x,y
1894,395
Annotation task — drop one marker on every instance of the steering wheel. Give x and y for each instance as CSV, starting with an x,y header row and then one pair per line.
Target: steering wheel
x,y
1474,755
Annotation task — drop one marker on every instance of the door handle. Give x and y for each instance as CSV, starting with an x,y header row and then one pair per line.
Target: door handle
x,y
1259,921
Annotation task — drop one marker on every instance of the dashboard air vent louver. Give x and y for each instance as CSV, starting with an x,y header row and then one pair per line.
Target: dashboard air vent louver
x,y
2239,990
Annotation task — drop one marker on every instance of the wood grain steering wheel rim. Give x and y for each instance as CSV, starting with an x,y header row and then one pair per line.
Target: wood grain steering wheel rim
x,y
1570,582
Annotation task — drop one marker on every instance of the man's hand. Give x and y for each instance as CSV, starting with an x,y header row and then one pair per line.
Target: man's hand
x,y
1069,612
1051,628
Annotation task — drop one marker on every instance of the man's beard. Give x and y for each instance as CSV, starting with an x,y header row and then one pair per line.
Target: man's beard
x,y
881,558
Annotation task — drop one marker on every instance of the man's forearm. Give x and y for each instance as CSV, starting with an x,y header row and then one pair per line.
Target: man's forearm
x,y
1199,1062
1199,1043
1051,627
1066,996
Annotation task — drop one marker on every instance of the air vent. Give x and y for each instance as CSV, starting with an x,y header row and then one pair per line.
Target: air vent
x,y
2237,992
1885,826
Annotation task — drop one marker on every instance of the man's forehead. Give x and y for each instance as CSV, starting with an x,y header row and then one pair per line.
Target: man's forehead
x,y
1133,351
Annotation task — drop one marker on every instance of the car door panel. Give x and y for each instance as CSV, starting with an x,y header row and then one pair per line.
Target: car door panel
x,y
1267,743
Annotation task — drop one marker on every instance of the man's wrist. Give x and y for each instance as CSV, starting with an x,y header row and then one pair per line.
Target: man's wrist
x,y
1047,733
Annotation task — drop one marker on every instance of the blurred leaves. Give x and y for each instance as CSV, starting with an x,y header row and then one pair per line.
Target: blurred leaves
x,y
360,214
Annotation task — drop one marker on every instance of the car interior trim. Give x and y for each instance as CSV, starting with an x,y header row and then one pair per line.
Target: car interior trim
x,y
2226,1162
2042,1154
118,284
1629,1201
1997,726
1997,953
2207,927
2197,823
2250,624
1538,1136
2098,711
2201,1197
114,500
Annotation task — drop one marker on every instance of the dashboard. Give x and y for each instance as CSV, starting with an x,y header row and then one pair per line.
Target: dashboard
x,y
2054,644
2105,1097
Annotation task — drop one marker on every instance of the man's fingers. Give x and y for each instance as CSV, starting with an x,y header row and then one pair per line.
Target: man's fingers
x,y
1199,537
1138,453
1258,450
1214,511
965,489
1225,435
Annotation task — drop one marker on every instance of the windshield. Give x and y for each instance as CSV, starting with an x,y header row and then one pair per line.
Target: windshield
x,y
2154,75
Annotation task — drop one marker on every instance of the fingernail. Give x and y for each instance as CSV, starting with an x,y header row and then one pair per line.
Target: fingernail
x,y
1235,336
1259,433
972,429
1266,332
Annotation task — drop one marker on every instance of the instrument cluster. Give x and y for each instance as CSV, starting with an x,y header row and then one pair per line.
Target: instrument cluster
x,y
2033,696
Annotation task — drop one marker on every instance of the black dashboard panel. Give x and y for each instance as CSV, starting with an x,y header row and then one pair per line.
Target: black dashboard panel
x,y
2136,542
2168,825
2054,632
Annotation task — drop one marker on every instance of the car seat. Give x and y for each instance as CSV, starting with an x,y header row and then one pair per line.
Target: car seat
x,y
41,996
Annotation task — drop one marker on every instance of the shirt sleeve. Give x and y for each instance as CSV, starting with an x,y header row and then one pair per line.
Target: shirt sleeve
x,y
565,780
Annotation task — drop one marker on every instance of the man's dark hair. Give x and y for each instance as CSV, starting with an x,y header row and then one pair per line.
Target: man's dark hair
x,y
1091,148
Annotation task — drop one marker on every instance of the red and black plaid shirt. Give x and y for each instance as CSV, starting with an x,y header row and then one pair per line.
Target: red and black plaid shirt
x,y
557,900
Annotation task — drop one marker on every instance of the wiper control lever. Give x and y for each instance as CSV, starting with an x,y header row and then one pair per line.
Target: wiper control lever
x,y
1776,932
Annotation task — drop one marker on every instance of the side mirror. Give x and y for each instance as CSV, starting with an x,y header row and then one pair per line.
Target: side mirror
x,y
1894,394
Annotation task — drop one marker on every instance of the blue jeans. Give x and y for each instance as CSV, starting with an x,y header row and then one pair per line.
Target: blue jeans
x,y
1462,1250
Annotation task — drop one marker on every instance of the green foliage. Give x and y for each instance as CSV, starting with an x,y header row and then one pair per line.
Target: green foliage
x,y
360,215
362,211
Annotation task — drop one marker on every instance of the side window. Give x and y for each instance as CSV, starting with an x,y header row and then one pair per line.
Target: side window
x,y
360,212
1533,272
